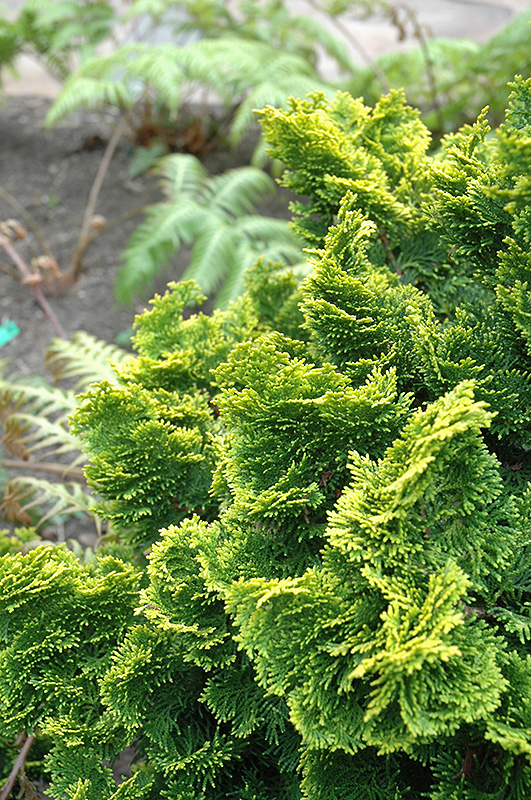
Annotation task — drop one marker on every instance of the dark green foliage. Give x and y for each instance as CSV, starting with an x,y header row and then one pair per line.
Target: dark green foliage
x,y
50,606
335,510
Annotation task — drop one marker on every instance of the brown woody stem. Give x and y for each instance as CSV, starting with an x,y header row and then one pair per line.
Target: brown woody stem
x,y
16,463
17,767
84,234
23,268
356,44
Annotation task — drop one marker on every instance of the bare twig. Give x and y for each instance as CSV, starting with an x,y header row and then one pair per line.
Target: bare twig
x,y
358,47
28,219
84,235
420,34
38,466
18,766
23,268
112,223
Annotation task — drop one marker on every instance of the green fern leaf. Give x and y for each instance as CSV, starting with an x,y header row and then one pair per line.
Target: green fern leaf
x,y
271,91
166,229
120,79
237,191
213,256
84,357
26,494
212,214
180,174
85,92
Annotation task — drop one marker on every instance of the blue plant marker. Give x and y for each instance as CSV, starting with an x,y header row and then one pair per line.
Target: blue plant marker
x,y
8,331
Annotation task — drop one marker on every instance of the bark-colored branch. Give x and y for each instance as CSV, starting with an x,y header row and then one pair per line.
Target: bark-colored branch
x,y
419,34
84,234
23,268
42,466
356,44
17,767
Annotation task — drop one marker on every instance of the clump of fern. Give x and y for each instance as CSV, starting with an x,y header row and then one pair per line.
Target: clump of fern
x,y
214,215
58,33
166,78
43,458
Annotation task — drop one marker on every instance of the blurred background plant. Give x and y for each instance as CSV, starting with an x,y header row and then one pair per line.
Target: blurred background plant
x,y
42,479
58,33
187,77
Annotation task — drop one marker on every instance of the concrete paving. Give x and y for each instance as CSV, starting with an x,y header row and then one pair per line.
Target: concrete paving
x,y
371,37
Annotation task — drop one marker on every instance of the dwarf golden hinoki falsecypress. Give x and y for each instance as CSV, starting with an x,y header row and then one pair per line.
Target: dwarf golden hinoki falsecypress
x,y
320,584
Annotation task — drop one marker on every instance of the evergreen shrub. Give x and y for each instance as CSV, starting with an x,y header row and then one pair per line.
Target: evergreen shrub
x,y
319,583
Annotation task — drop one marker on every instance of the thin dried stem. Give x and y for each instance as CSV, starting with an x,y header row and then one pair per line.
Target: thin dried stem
x,y
420,34
18,766
23,268
112,223
358,47
84,238
43,466
28,219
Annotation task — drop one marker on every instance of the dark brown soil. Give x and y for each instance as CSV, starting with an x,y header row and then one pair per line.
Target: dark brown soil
x,y
50,173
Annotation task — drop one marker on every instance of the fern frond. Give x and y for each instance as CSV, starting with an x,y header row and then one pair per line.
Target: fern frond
x,y
237,191
213,256
167,227
120,79
26,494
181,173
270,232
88,93
230,66
153,8
84,357
212,215
272,91
71,25
36,398
25,434
233,284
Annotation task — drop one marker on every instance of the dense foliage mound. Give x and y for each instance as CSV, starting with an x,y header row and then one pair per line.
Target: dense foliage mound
x,y
320,580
